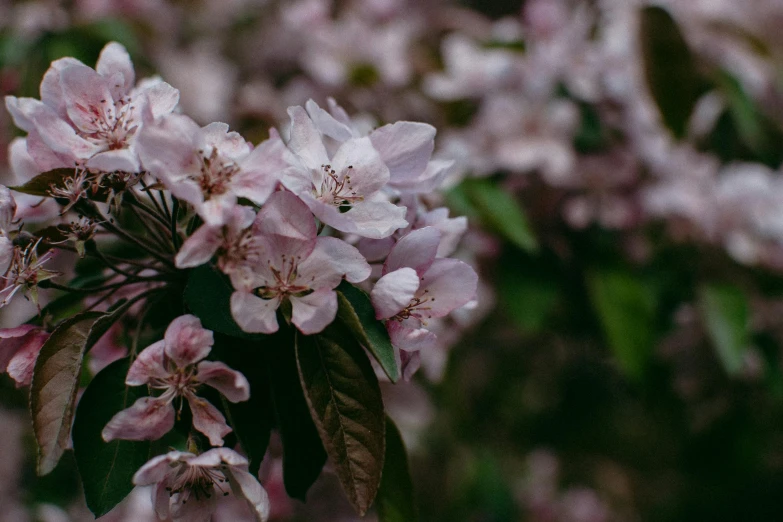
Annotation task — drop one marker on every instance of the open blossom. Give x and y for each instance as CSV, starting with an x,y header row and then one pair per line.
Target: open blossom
x,y
19,349
231,242
172,366
343,191
296,266
91,117
405,147
189,487
210,167
417,286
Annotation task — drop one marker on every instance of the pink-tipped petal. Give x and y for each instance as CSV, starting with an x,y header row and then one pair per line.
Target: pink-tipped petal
x,y
393,292
330,260
199,247
314,312
208,420
186,341
409,339
115,59
149,418
405,147
305,140
451,282
327,123
287,226
123,160
157,468
416,250
231,383
253,314
20,367
87,96
148,365
246,486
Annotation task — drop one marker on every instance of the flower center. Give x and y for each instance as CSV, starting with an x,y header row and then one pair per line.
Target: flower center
x,y
113,124
198,482
216,174
284,280
416,308
336,188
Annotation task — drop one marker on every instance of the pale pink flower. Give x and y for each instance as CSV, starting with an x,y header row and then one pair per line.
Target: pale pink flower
x,y
90,117
405,147
19,349
416,286
343,191
210,167
172,366
296,266
189,487
231,242
7,215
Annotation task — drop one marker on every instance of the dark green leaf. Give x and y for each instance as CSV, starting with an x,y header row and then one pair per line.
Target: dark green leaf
x,y
498,209
669,68
106,469
726,315
357,313
56,380
208,296
527,293
345,401
626,308
42,183
303,453
252,420
395,502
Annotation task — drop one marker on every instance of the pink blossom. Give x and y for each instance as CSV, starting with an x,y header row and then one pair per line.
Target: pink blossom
x,y
342,191
297,266
171,365
417,286
189,487
90,117
210,167
19,349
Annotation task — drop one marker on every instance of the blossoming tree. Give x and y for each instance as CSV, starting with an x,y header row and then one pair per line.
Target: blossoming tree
x,y
243,288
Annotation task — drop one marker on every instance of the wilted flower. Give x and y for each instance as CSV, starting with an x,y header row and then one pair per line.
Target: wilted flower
x,y
171,365
26,272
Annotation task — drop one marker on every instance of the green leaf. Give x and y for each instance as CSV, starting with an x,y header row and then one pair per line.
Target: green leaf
x,y
498,209
106,469
669,68
42,183
208,297
357,313
528,292
345,402
303,452
726,314
395,502
626,308
252,420
56,380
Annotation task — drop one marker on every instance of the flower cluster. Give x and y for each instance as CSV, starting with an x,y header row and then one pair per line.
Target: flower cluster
x,y
281,224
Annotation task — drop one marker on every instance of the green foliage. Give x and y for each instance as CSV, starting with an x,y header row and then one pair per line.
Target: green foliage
x,y
56,380
528,291
357,313
496,209
208,297
345,401
670,69
252,420
626,307
394,502
726,314
303,452
106,469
